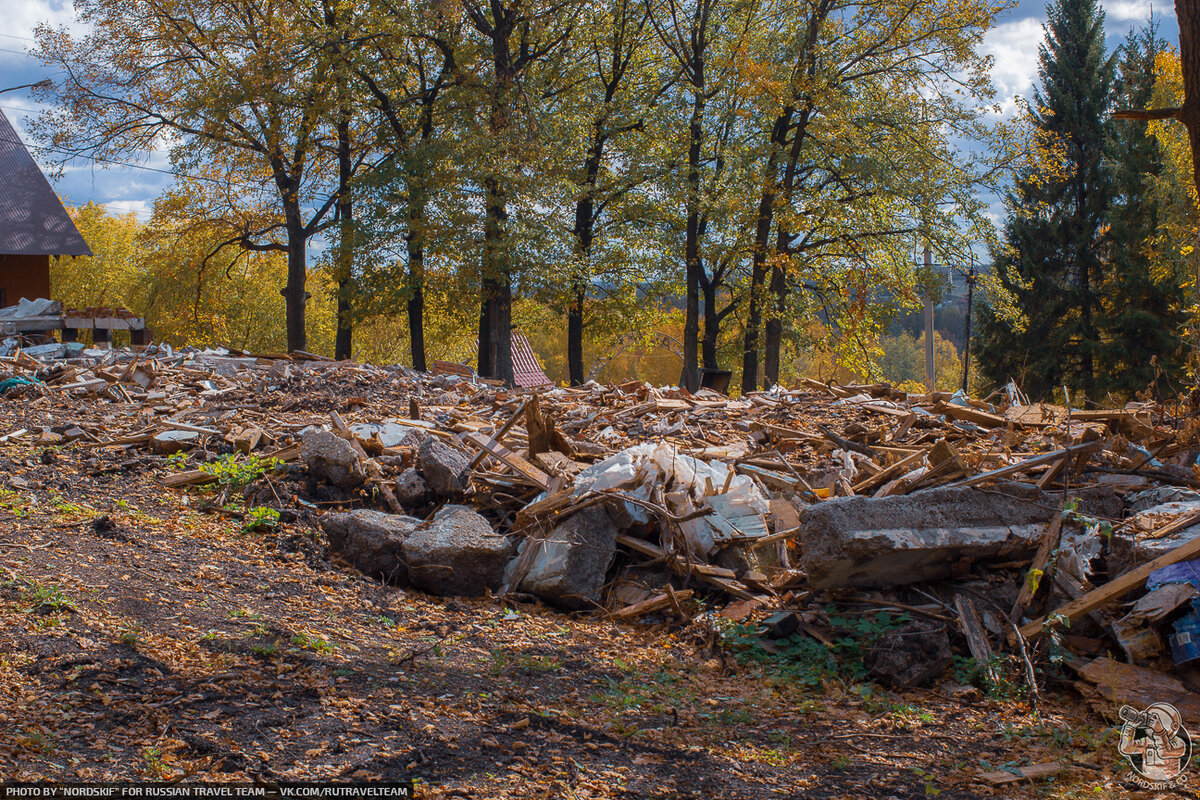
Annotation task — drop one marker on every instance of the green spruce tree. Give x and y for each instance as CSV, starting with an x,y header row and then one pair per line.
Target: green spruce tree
x,y
1051,261
1142,305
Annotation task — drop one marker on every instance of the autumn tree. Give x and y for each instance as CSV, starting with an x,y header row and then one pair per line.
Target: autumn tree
x,y
858,158
621,82
226,85
520,48
408,66
1142,295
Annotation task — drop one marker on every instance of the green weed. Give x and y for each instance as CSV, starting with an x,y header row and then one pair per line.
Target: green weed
x,y
808,661
312,643
260,518
48,598
236,473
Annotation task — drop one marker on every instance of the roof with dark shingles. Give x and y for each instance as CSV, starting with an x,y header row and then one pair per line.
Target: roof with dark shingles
x,y
33,221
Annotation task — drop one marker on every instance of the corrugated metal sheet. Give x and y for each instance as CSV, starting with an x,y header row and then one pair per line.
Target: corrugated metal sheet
x,y
527,372
32,220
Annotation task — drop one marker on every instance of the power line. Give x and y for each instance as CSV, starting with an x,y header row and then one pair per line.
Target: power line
x,y
113,162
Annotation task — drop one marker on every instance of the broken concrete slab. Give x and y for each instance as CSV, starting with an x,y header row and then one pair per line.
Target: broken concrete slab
x,y
862,541
571,563
407,433
372,541
458,553
332,459
1150,534
445,469
170,442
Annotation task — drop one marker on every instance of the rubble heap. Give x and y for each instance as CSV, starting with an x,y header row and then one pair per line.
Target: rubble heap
x,y
998,522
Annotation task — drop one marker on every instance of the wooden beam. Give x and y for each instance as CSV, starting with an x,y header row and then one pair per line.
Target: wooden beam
x,y
508,457
1045,548
1115,589
657,603
1023,466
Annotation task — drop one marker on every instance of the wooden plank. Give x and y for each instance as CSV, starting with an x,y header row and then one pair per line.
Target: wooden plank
x,y
972,630
1051,475
780,432
1123,683
1115,589
1023,466
888,410
514,461
504,429
1030,773
968,414
767,476
1181,524
184,426
193,477
1047,546
656,603
899,468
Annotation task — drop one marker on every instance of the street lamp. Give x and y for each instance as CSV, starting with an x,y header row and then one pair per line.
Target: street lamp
x,y
44,83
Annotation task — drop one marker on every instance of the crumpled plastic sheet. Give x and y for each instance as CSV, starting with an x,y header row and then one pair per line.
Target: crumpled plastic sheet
x,y
689,484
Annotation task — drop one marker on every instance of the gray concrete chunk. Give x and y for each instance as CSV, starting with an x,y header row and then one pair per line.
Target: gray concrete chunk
x,y
332,459
862,541
458,553
372,541
410,488
168,442
571,562
444,468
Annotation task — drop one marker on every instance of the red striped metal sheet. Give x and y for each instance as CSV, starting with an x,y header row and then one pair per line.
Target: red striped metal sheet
x,y
527,372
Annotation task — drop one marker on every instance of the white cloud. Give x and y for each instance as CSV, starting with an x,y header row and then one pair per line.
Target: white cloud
x,y
1136,11
1013,46
18,21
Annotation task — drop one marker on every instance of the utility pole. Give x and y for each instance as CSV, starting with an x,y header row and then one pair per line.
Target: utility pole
x,y
929,371
967,341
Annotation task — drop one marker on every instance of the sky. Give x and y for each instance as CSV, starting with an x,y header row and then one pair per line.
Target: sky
x,y
1013,43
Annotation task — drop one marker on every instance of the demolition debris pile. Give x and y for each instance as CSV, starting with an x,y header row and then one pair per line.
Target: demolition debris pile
x,y
991,525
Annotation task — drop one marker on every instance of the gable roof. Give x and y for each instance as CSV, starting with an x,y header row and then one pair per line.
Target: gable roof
x,y
527,372
32,219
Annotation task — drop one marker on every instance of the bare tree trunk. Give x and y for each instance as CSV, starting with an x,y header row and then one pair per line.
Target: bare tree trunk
x,y
758,259
483,362
691,315
712,327
416,289
1188,14
774,338
343,343
495,335
779,282
585,226
294,294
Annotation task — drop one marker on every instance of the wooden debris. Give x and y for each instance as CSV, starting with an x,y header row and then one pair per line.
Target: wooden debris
x,y
1115,589
657,603
1020,774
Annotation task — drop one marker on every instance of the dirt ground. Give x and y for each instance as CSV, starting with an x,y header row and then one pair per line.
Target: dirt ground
x,y
144,638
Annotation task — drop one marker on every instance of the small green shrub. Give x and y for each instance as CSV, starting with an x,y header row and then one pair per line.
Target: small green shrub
x,y
808,661
260,518
235,473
